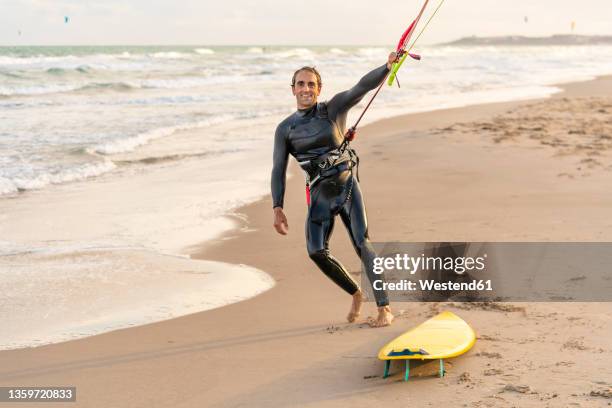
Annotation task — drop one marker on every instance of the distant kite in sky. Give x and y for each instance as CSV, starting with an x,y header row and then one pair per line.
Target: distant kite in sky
x,y
573,26
526,19
66,19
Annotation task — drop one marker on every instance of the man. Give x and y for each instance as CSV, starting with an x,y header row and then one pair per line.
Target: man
x,y
314,136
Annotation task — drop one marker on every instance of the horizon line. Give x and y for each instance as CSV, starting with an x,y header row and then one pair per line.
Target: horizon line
x,y
294,45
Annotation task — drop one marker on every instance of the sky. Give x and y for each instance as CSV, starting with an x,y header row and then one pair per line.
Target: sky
x,y
287,22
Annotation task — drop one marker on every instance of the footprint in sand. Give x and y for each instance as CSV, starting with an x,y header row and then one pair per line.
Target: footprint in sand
x,y
490,306
521,389
487,337
603,393
548,396
488,355
465,378
574,344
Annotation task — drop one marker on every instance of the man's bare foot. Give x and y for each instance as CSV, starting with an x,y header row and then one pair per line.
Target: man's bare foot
x,y
355,307
385,317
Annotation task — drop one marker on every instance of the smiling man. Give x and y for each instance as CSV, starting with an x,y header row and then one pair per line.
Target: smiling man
x,y
313,135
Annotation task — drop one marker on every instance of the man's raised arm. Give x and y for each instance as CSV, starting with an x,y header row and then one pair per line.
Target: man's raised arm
x,y
344,101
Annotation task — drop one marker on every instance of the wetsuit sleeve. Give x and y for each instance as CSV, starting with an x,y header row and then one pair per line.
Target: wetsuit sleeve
x,y
343,101
280,158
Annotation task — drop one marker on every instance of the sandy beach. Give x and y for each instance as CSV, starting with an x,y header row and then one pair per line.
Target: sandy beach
x,y
527,171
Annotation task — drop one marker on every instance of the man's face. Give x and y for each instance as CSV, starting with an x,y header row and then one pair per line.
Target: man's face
x,y
306,89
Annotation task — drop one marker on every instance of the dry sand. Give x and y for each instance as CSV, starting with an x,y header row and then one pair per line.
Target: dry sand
x,y
529,171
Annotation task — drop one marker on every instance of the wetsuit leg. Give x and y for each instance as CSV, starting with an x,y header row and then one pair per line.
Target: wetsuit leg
x,y
354,217
317,239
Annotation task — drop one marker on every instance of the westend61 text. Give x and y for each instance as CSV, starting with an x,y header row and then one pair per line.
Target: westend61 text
x,y
428,285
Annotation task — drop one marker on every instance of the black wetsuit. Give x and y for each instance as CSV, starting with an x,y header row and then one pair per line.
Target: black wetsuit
x,y
310,135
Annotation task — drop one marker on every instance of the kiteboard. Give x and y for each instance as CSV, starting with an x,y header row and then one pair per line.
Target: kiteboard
x,y
443,336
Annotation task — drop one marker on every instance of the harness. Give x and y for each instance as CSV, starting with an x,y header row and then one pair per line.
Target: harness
x,y
329,164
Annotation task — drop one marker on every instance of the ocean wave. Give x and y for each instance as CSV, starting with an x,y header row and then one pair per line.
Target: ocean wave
x,y
131,143
190,82
36,89
7,186
8,248
57,88
11,74
295,52
371,51
263,72
175,83
170,55
65,88
204,51
115,86
82,172
41,60
166,100
337,51
83,63
37,59
173,157
82,69
255,50
55,71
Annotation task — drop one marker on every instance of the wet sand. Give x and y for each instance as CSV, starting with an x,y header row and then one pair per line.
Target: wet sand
x,y
522,171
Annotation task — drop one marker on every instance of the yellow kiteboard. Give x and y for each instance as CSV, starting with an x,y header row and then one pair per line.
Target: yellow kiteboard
x,y
443,336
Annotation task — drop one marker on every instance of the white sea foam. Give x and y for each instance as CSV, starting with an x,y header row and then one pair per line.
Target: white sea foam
x,y
67,296
255,50
99,61
180,83
37,89
40,180
204,51
130,144
294,52
337,51
170,55
190,82
372,51
7,186
34,60
98,261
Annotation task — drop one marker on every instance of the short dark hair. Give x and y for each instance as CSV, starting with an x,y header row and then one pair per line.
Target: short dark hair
x,y
311,70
